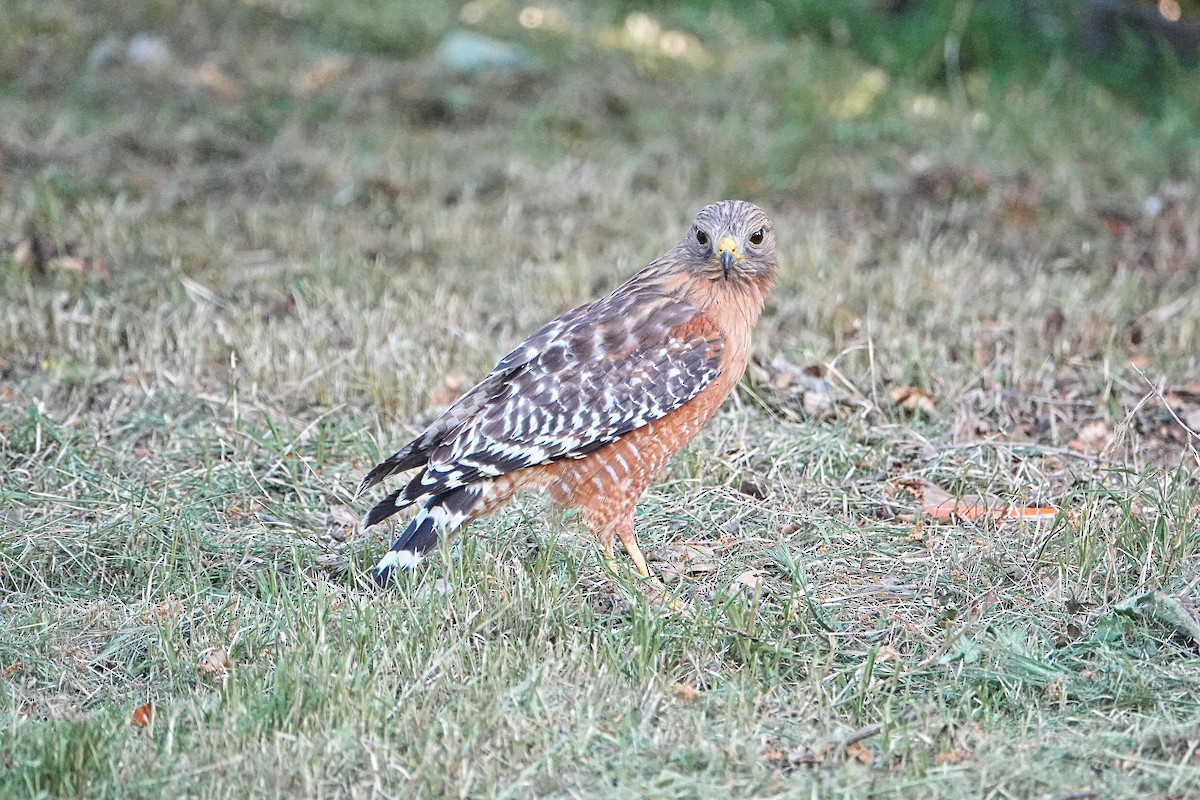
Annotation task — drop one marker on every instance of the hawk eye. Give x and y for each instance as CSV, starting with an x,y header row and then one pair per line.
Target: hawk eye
x,y
701,238
756,238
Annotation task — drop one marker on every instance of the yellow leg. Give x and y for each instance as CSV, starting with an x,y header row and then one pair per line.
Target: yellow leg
x,y
635,552
623,530
654,588
606,555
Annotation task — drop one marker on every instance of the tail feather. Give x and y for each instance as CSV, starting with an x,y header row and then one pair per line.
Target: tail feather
x,y
440,483
383,509
443,513
407,457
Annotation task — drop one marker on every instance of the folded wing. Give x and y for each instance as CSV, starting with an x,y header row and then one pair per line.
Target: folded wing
x,y
581,382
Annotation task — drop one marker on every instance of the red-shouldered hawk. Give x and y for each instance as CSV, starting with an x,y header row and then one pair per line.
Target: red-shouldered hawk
x,y
595,403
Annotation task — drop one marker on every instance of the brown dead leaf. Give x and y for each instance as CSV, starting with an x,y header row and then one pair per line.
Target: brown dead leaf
x,y
886,653
1023,199
10,669
910,398
753,487
1139,362
82,265
955,756
283,306
981,181
805,757
693,557
217,81
792,382
679,569
143,715
751,579
1053,326
1093,438
846,321
168,609
860,753
343,515
35,251
815,403
324,71
1119,223
214,661
684,692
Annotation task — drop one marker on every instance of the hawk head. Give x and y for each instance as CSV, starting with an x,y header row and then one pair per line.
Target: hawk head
x,y
731,240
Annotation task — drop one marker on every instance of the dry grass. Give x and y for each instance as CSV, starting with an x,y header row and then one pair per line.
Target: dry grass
x,y
232,282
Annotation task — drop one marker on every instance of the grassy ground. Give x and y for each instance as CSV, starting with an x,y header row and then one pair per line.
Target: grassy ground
x,y
233,279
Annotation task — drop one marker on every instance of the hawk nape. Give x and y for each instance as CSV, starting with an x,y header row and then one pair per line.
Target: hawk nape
x,y
593,405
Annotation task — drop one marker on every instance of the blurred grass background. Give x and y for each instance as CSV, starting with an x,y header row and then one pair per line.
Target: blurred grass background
x,y
248,246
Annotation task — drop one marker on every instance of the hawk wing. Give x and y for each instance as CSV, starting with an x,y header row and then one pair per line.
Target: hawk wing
x,y
581,382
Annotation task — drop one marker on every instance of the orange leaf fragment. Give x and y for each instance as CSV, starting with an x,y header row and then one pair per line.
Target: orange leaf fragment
x,y
955,756
1118,223
1031,512
1139,361
216,80
860,753
684,692
806,757
83,265
910,398
937,503
142,715
976,507
320,75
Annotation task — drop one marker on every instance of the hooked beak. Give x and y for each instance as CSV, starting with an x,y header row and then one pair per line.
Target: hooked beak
x,y
726,252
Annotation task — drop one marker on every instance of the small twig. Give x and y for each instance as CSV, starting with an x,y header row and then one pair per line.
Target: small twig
x,y
865,732
875,728
738,632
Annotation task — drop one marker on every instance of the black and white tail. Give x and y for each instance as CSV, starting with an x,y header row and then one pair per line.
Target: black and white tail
x,y
444,513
